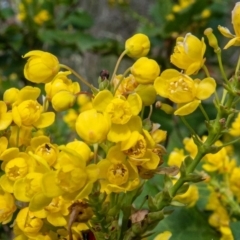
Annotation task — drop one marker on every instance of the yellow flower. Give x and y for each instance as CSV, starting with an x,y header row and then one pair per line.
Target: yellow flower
x,y
41,67
190,146
7,207
25,188
182,4
41,17
93,126
29,114
145,70
188,54
60,83
127,85
235,127
20,136
137,46
176,157
55,211
235,39
5,117
28,223
70,118
117,175
188,198
16,166
183,90
147,93
73,178
219,161
42,147
122,113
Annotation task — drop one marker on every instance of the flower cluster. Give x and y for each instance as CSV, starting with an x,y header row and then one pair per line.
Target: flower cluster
x,y
89,185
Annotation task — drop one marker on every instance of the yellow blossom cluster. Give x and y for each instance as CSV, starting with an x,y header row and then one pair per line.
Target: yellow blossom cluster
x,y
52,189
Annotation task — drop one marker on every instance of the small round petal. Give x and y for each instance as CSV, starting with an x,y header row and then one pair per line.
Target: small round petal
x,y
137,46
101,100
135,103
118,133
10,95
63,100
46,119
147,93
188,108
205,88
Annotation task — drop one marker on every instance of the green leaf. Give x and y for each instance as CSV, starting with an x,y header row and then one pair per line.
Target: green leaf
x,y
187,224
235,229
79,19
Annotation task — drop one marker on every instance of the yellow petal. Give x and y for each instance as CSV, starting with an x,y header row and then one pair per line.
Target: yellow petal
x,y
85,191
38,202
93,172
6,184
233,42
163,236
45,120
118,133
115,155
225,32
205,88
130,142
19,190
135,103
5,120
101,100
188,108
49,186
16,117
56,219
10,153
236,18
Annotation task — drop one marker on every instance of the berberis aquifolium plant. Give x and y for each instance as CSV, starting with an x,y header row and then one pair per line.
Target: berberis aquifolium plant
x,y
98,185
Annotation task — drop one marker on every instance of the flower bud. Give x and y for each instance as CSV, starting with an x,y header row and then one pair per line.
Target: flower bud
x,y
145,70
212,40
92,126
63,100
10,95
137,46
147,93
41,67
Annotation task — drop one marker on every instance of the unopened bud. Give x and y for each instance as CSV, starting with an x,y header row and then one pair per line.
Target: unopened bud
x,y
63,100
212,40
165,107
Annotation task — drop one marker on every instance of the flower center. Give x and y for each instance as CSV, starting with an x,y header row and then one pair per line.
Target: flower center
x,y
118,174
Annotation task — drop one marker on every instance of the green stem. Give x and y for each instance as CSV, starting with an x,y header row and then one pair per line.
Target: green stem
x,y
188,126
117,64
95,148
121,79
237,68
79,77
142,112
206,70
45,104
150,112
204,112
219,57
